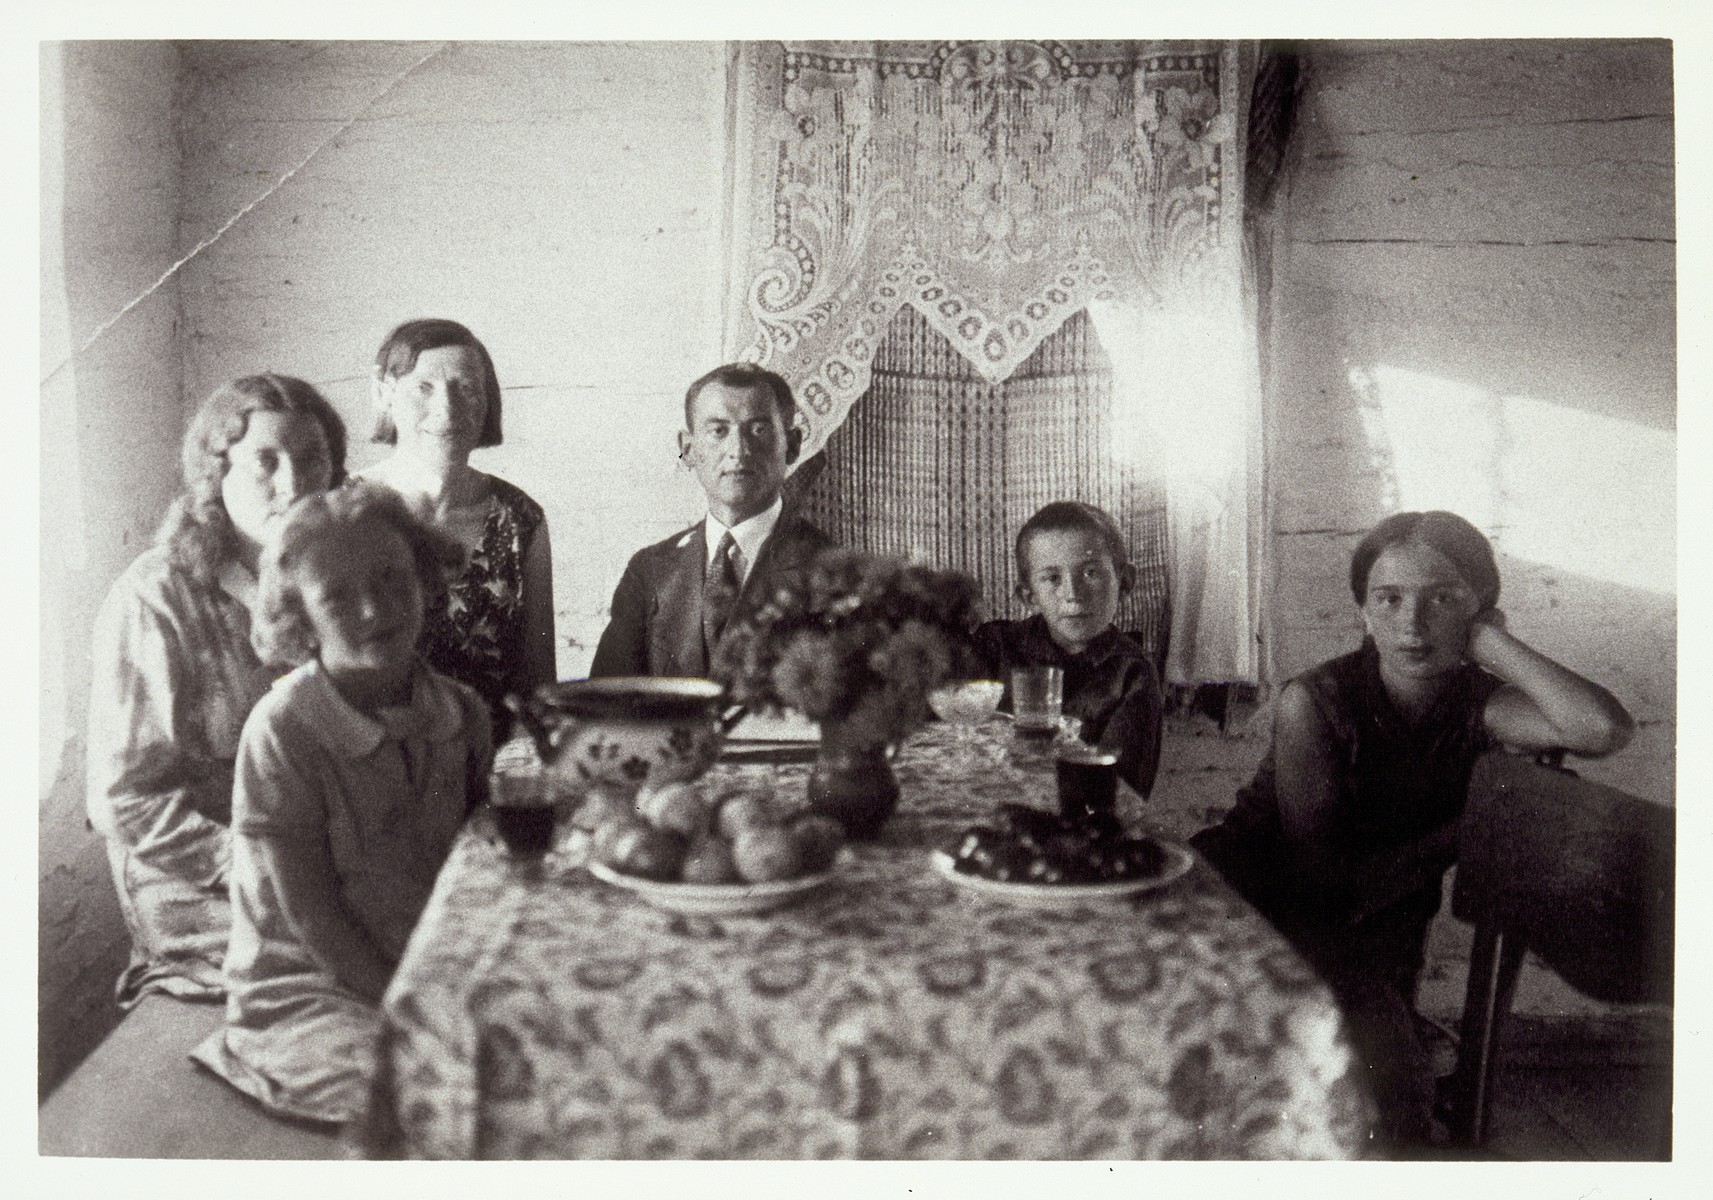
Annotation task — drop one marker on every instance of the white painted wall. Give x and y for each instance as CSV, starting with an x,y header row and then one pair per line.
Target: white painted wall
x,y
561,199
111,424
1475,310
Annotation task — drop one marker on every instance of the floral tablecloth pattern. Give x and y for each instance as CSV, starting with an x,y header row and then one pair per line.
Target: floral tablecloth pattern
x,y
540,1013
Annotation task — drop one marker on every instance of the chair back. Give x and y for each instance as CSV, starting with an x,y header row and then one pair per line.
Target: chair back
x,y
1583,874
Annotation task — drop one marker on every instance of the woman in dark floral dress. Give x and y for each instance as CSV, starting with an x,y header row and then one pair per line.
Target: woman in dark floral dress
x,y
438,399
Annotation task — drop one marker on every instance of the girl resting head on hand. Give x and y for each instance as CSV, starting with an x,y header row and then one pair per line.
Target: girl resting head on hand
x,y
1344,835
1428,588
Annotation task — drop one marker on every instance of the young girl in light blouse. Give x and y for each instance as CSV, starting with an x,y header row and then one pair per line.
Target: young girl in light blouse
x,y
354,775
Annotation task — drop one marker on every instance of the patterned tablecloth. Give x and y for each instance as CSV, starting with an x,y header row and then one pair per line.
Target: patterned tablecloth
x,y
542,1013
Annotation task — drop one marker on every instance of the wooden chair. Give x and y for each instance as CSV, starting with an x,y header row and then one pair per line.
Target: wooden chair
x,y
1581,874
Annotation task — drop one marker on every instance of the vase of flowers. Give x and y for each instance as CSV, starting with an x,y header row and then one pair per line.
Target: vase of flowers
x,y
856,642
852,782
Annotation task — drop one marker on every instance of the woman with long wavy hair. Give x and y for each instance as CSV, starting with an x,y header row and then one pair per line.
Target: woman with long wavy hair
x,y
175,676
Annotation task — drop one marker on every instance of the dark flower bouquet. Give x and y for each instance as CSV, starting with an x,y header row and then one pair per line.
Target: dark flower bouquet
x,y
855,640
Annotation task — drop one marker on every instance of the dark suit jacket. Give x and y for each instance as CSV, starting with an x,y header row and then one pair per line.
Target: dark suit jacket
x,y
656,626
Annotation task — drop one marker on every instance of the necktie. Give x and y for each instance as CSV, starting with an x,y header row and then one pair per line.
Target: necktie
x,y
720,589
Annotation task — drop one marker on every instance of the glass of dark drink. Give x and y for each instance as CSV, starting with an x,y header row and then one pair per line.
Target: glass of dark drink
x,y
527,829
1034,750
1088,782
523,813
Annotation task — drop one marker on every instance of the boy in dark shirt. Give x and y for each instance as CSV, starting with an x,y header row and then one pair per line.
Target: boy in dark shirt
x,y
1072,569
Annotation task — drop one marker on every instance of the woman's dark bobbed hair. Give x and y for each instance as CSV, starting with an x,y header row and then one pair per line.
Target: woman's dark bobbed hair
x,y
404,345
1446,532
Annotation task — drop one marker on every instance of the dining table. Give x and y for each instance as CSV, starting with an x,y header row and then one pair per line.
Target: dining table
x,y
539,1012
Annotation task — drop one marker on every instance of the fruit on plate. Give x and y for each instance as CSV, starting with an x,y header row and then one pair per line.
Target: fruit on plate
x,y
818,840
1028,845
653,854
649,799
706,834
681,811
765,854
742,812
597,809
606,838
710,861
638,848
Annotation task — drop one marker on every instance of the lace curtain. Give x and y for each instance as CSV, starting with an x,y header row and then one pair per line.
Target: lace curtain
x,y
998,189
937,463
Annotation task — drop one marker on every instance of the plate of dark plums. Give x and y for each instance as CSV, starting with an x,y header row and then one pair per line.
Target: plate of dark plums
x,y
1029,856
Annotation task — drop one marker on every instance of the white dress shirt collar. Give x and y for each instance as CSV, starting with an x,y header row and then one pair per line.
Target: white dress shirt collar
x,y
750,535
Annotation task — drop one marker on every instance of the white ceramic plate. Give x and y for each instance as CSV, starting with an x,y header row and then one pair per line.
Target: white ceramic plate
x,y
1067,895
775,728
714,899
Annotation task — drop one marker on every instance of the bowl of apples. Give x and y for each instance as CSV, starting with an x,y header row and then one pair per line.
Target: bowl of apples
x,y
691,848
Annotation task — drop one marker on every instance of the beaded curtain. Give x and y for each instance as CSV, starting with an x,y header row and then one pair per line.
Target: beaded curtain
x,y
939,464
995,190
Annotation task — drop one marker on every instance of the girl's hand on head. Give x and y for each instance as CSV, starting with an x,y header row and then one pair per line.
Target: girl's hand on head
x,y
1543,705
1487,632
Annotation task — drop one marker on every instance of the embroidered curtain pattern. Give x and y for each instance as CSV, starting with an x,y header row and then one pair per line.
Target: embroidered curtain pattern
x,y
997,189
938,463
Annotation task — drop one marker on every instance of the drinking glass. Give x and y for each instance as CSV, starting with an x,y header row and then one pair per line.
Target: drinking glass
x,y
523,810
1037,699
1088,782
1036,749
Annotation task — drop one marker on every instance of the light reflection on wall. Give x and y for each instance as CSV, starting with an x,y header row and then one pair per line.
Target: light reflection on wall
x,y
1185,397
1580,491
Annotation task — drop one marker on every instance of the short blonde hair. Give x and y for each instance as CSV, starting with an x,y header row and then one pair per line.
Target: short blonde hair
x,y
282,632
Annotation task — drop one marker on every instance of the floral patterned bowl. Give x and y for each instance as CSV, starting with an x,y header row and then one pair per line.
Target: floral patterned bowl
x,y
623,733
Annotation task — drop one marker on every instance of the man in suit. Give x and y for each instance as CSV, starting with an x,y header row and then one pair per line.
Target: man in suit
x,y
677,596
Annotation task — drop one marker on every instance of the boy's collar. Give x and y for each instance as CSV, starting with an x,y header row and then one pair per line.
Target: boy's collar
x,y
1106,643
